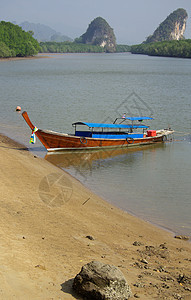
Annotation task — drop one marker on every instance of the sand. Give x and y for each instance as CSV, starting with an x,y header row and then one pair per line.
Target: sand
x,y
46,216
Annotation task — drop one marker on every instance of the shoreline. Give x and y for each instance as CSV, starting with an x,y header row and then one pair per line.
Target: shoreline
x,y
44,235
143,217
39,55
162,227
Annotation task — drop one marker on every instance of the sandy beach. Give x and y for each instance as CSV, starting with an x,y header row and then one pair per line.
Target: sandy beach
x,y
46,218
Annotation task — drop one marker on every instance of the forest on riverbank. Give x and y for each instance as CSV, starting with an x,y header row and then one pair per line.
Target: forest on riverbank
x,y
73,47
180,48
15,42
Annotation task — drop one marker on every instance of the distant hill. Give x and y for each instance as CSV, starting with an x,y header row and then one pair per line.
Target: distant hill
x,y
15,42
44,33
99,33
172,28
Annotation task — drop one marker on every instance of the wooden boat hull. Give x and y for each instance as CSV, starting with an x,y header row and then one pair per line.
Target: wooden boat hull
x,y
54,141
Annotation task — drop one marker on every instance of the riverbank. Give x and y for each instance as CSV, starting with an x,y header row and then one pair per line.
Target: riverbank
x,y
46,218
24,58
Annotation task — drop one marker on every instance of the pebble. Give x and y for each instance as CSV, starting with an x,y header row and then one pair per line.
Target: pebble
x,y
40,267
90,237
165,286
177,296
163,246
137,264
136,243
144,261
139,285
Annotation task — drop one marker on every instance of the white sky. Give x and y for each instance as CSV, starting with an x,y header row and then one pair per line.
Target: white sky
x,y
132,20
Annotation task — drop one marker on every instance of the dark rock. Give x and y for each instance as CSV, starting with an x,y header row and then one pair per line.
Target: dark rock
x,y
153,285
146,267
167,278
90,237
182,237
136,243
187,259
162,268
99,281
160,251
165,286
163,246
177,296
182,278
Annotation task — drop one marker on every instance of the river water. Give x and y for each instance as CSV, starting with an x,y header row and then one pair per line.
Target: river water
x,y
153,183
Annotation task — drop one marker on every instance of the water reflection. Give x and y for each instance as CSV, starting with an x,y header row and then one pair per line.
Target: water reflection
x,y
88,160
142,181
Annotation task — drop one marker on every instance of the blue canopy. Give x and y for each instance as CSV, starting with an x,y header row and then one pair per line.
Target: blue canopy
x,y
137,118
114,126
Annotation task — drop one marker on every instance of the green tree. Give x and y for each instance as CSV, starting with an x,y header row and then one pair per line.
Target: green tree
x,y
4,50
180,48
19,42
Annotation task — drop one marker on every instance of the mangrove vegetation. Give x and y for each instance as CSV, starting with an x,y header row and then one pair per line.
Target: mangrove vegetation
x,y
180,48
15,42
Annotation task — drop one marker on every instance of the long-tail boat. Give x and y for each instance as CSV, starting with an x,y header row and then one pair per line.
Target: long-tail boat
x,y
100,135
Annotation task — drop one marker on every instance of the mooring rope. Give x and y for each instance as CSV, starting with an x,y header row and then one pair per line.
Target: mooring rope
x,y
182,133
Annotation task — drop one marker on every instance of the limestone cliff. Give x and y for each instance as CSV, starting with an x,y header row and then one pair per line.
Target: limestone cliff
x,y
99,33
172,28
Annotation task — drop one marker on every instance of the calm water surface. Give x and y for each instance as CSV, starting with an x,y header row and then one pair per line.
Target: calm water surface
x,y
152,183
